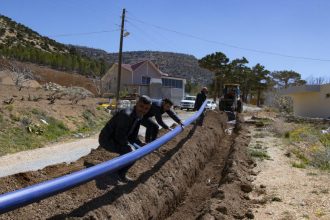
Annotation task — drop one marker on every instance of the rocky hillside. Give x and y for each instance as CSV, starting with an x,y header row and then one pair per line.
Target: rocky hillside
x,y
23,44
14,34
175,64
20,43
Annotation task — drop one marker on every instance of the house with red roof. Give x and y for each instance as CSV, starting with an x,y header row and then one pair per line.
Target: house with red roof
x,y
145,78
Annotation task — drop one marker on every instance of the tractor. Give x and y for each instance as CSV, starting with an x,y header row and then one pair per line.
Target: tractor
x,y
231,100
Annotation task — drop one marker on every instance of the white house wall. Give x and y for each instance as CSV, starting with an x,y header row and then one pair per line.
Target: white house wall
x,y
145,70
126,78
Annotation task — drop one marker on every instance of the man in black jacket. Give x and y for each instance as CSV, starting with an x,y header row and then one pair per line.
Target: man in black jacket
x,y
158,108
122,130
200,99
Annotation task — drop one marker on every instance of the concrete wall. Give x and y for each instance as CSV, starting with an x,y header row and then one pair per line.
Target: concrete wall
x,y
312,104
155,90
175,94
325,101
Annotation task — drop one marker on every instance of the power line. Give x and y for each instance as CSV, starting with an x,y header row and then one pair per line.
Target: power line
x,y
151,38
169,42
230,45
84,33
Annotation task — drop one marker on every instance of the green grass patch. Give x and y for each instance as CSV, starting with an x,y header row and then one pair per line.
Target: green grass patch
x,y
39,113
300,156
55,129
304,133
299,165
325,140
259,154
317,146
91,122
19,138
9,107
321,159
31,133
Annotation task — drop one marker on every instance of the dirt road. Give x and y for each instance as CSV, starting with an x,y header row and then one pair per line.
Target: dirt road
x,y
283,191
58,153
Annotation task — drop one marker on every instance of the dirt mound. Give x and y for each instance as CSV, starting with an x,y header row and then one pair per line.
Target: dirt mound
x,y
6,79
201,173
44,75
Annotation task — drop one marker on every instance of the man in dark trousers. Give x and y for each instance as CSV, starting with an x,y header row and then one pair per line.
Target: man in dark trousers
x,y
158,108
200,99
121,132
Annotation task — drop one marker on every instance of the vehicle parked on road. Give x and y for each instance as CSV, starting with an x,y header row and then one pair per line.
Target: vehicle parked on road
x,y
210,104
188,102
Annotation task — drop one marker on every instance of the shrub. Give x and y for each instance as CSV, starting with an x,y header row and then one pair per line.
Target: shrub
x,y
259,154
299,165
55,129
321,159
9,107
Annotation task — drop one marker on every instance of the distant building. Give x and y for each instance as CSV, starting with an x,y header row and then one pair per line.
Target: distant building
x,y
145,78
311,101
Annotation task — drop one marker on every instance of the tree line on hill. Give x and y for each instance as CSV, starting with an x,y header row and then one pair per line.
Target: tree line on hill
x,y
68,62
23,44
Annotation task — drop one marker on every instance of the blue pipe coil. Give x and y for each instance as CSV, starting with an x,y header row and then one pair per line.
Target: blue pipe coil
x,y
12,200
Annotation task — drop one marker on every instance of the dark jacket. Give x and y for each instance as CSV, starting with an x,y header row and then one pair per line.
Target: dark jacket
x,y
122,128
200,99
157,111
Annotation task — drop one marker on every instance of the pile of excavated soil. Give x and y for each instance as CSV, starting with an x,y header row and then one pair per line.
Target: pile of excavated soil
x,y
200,174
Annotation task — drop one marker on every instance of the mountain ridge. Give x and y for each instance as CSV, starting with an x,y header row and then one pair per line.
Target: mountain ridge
x,y
24,44
175,64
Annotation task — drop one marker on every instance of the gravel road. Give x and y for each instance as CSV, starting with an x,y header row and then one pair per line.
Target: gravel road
x,y
58,153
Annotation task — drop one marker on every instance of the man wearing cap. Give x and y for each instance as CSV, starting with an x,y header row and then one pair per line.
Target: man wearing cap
x,y
121,132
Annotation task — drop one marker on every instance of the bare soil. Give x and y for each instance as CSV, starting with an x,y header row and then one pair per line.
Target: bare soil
x,y
200,174
63,109
282,191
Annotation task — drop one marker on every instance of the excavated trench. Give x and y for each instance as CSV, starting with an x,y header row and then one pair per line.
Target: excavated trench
x,y
202,173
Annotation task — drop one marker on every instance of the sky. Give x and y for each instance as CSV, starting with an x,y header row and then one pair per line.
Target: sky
x,y
280,35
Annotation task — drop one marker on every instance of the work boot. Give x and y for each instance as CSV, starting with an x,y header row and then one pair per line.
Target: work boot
x,y
124,179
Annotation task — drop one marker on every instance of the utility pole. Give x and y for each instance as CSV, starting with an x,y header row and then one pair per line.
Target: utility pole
x,y
120,57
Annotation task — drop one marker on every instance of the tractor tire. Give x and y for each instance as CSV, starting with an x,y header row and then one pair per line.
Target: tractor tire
x,y
222,105
239,106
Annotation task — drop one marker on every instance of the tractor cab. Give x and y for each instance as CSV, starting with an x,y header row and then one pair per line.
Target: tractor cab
x,y
231,101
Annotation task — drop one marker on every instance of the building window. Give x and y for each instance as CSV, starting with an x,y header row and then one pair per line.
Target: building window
x,y
173,83
145,80
327,95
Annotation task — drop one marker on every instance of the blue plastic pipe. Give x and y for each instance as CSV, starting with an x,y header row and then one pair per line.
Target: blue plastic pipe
x,y
33,193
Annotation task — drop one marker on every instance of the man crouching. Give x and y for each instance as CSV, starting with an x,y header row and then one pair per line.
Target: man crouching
x,y
122,130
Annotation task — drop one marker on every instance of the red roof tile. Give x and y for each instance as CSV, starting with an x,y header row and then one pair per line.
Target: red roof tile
x,y
136,65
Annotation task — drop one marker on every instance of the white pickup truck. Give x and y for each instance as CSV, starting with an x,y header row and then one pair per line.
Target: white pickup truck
x,y
188,102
